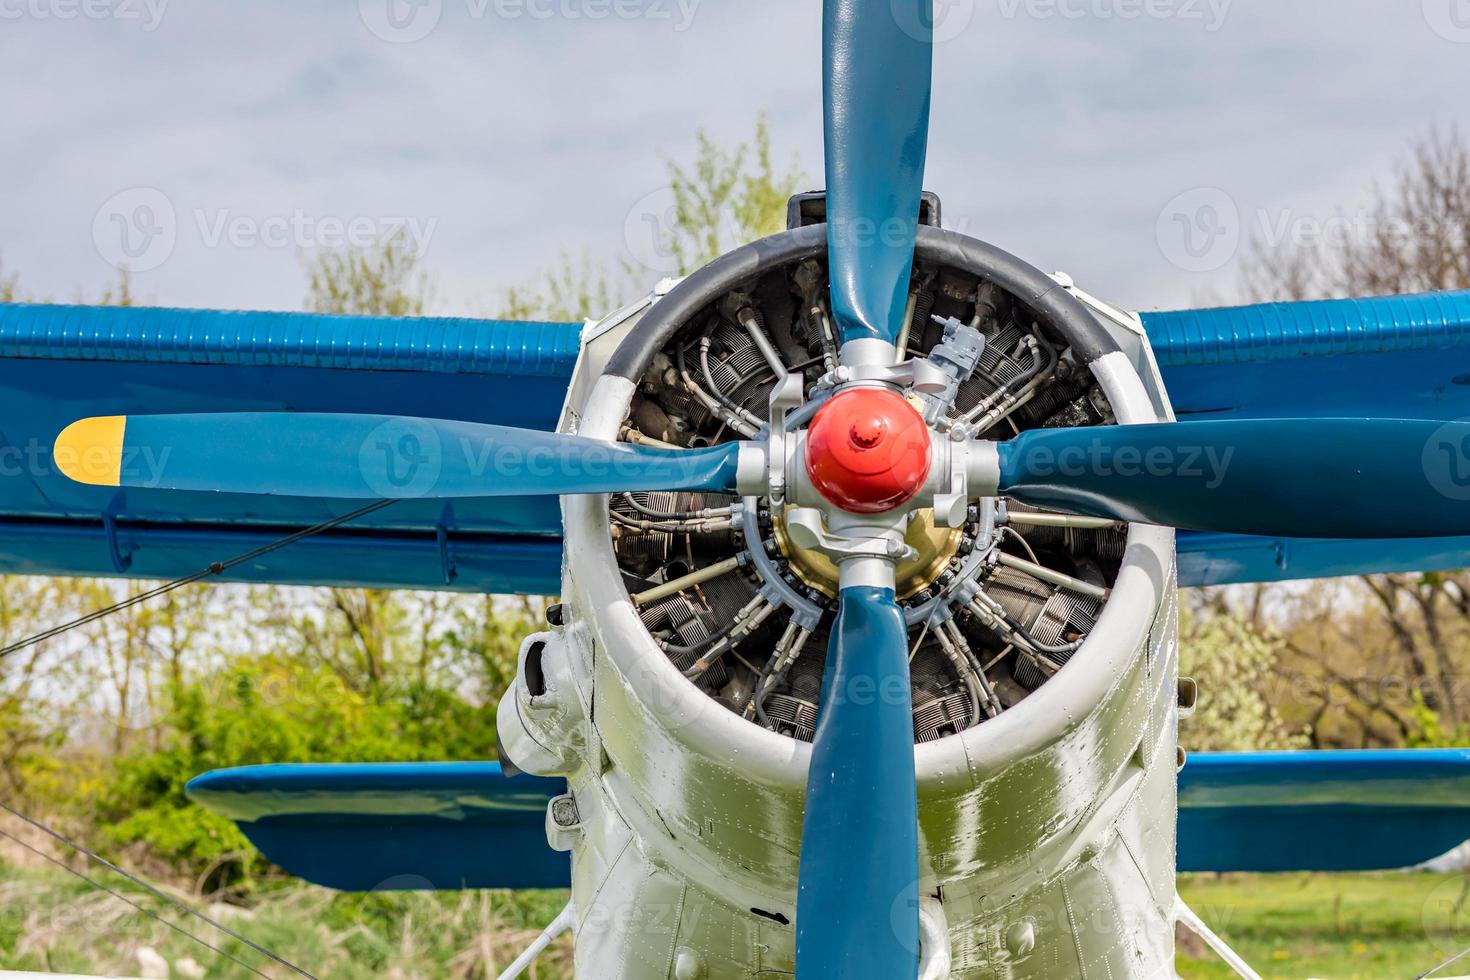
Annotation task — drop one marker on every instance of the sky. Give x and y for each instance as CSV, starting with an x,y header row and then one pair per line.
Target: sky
x,y
1134,144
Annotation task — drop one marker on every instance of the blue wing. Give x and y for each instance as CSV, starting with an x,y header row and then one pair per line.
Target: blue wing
x,y
1396,357
1393,357
59,364
1322,811
394,827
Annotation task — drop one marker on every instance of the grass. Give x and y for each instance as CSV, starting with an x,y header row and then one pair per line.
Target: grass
x,y
51,922
1331,927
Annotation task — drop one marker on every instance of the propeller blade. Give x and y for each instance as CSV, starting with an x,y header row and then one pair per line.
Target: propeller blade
x,y
372,457
879,67
1306,478
856,906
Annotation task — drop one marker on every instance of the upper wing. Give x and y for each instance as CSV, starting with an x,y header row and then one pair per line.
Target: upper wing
x,y
59,364
1393,357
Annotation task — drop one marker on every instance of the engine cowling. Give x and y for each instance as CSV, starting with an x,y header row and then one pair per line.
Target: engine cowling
x,y
1035,763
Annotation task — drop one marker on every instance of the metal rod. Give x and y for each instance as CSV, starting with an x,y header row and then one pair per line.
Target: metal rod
x,y
689,581
1183,913
908,323
565,921
1032,519
1055,578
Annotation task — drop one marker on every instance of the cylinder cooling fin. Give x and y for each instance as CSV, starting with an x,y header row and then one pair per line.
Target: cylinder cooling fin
x,y
995,608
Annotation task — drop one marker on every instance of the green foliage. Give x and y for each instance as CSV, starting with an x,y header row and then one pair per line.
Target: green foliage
x,y
120,294
1430,731
575,289
385,281
726,198
268,709
9,286
1233,664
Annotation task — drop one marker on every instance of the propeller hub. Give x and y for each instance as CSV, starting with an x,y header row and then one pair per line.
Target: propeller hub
x,y
867,451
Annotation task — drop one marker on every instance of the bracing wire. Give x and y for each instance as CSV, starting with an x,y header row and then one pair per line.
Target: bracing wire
x,y
213,569
181,906
210,571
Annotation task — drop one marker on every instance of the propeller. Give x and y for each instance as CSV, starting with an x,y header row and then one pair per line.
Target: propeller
x,y
1319,478
372,457
860,838
859,845
879,67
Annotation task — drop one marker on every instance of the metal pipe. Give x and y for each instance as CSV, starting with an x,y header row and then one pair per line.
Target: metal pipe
x,y
747,621
714,388
752,324
1032,519
964,668
689,581
908,324
638,438
705,399
1055,578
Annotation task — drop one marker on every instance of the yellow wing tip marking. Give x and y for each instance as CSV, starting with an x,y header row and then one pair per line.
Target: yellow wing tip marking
x,y
90,451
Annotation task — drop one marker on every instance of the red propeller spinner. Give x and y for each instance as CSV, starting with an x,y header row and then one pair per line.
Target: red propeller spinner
x,y
867,451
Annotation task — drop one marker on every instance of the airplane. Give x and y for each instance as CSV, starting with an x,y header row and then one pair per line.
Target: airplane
x,y
868,537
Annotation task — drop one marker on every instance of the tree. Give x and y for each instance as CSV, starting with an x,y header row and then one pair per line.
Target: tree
x,y
573,290
1232,661
385,281
727,197
9,286
1413,237
1376,662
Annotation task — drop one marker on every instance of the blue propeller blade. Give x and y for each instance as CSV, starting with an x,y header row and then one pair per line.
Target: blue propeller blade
x,y
856,907
1306,478
372,457
879,67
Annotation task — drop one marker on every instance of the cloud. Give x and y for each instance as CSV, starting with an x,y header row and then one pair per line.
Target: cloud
x,y
1061,129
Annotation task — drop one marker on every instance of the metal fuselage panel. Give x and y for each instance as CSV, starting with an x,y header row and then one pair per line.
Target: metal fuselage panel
x,y
1059,863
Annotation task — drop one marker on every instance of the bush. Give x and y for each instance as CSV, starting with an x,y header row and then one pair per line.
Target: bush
x,y
271,709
